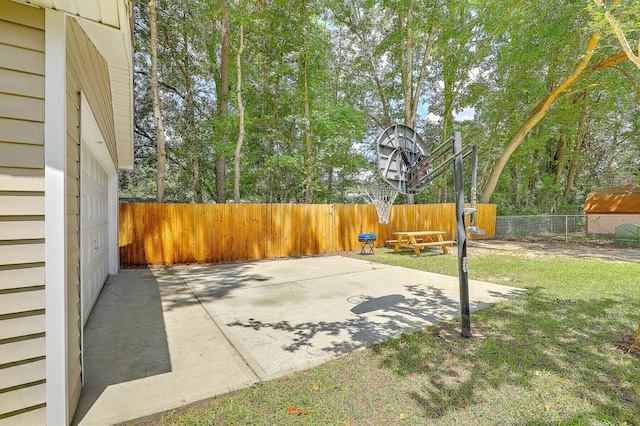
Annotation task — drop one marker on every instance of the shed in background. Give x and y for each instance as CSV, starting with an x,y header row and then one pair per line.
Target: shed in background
x,y
609,207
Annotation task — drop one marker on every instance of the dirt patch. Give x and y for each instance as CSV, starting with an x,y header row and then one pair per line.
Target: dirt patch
x,y
626,345
451,333
539,249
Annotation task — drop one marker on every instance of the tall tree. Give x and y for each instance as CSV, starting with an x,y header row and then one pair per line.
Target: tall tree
x,y
155,96
540,110
181,58
412,89
308,136
578,145
223,105
315,86
368,25
241,128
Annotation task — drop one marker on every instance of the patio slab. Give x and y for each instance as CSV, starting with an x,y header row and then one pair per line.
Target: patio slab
x,y
159,339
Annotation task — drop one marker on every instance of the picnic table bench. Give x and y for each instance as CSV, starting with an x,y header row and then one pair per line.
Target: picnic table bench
x,y
408,239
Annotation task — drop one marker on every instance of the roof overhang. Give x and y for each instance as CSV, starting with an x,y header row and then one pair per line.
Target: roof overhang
x,y
614,200
106,22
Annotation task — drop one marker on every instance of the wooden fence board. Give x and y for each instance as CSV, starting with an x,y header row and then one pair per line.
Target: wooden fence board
x,y
185,233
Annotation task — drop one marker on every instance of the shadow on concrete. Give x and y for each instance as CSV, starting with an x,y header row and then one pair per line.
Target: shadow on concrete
x,y
125,337
210,284
378,303
238,324
376,319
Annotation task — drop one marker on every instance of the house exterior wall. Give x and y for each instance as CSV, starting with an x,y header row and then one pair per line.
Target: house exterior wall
x,y
22,286
92,77
74,324
23,357
87,72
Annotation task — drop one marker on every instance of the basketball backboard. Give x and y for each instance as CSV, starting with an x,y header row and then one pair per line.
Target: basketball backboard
x,y
402,156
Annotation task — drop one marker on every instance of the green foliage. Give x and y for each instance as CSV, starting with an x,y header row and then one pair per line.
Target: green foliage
x,y
499,58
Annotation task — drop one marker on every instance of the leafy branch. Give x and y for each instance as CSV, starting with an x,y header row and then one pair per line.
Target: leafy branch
x,y
633,57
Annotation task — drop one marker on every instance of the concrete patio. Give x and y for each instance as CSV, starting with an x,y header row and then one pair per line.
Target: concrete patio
x,y
159,339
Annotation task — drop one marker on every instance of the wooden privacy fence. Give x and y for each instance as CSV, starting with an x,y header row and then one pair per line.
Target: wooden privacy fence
x,y
202,233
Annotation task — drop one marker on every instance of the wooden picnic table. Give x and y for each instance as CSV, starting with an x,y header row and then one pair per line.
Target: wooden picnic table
x,y
410,239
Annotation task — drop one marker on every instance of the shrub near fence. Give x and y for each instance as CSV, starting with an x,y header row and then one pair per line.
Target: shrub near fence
x,y
202,233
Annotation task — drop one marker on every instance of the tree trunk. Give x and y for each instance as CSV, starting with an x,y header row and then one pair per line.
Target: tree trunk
x,y
423,71
406,70
191,115
560,157
536,115
155,99
223,106
542,108
573,166
406,64
184,67
236,158
330,185
379,85
411,98
308,137
383,99
411,94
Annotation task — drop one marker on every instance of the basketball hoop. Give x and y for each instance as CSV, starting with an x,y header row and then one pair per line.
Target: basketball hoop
x,y
403,157
407,163
382,197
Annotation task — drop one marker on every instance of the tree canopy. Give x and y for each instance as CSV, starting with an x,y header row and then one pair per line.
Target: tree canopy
x,y
281,101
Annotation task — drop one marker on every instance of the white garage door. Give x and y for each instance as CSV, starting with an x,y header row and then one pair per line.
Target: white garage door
x,y
94,239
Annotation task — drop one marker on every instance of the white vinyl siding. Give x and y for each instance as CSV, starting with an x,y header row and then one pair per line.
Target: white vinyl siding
x,y
87,72
23,225
74,321
22,301
93,77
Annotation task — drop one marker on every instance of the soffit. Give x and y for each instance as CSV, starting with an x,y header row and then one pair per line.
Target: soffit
x,y
106,12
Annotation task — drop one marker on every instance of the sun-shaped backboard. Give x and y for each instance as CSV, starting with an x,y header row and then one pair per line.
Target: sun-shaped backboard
x,y
402,157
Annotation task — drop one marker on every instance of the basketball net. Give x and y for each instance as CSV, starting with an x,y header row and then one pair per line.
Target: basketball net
x,y
382,197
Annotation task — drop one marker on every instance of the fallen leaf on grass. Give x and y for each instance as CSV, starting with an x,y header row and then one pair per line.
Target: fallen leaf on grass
x,y
547,407
403,416
561,380
302,412
315,386
292,409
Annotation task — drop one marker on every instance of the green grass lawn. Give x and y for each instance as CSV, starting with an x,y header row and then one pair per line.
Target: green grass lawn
x,y
557,355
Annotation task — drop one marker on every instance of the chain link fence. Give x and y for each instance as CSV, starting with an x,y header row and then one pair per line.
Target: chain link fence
x,y
556,227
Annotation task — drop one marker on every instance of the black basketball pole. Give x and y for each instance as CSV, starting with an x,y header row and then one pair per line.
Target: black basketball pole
x,y
462,236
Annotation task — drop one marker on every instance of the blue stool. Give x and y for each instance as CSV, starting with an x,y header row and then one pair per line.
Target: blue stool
x,y
367,241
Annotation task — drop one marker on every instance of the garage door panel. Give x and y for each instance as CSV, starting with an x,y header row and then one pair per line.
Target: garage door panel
x,y
94,229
